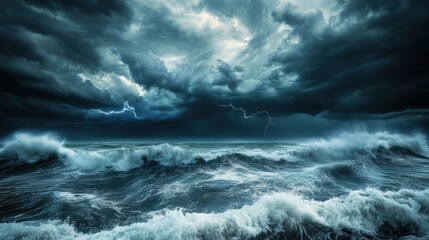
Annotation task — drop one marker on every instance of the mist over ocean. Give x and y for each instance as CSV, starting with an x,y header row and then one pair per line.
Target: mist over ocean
x,y
353,185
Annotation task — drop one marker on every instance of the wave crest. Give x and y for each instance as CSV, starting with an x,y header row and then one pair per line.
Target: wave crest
x,y
363,212
168,155
31,148
362,143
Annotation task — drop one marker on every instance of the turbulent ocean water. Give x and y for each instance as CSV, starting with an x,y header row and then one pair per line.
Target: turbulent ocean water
x,y
353,185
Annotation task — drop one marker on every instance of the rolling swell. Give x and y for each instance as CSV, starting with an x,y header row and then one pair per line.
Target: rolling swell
x,y
26,148
29,149
365,213
352,185
363,145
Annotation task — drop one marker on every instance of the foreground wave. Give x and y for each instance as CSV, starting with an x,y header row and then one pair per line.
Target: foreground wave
x,y
365,213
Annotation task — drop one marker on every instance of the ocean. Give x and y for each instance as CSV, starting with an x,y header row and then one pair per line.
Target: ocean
x,y
350,185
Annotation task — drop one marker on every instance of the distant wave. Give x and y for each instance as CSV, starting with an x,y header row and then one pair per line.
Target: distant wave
x,y
367,212
362,143
31,148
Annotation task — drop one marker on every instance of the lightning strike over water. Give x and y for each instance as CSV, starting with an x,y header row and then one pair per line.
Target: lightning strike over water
x,y
248,116
126,108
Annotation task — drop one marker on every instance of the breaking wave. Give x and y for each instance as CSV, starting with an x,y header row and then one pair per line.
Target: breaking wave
x,y
124,159
362,143
30,148
346,186
367,213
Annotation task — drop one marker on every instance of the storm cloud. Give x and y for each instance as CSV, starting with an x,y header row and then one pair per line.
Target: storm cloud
x,y
314,65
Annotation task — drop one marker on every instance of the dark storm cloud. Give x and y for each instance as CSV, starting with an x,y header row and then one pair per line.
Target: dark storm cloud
x,y
305,24
61,61
252,13
372,59
97,7
227,76
149,71
44,44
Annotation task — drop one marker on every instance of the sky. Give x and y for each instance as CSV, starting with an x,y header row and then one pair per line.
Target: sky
x,y
150,69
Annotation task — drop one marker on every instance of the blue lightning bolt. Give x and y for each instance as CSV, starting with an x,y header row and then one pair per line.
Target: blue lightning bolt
x,y
248,116
126,108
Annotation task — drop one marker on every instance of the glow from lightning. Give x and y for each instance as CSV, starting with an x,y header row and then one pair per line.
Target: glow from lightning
x,y
260,112
126,108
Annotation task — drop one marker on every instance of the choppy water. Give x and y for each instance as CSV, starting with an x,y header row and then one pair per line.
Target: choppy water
x,y
350,186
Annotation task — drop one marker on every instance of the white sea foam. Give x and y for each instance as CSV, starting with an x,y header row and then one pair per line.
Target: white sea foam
x,y
168,155
364,211
275,155
95,201
31,148
124,159
360,143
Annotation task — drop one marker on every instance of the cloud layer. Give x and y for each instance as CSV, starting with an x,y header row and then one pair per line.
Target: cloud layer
x,y
320,63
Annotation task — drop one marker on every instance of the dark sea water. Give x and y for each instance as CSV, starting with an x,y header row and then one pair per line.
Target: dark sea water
x,y
353,185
